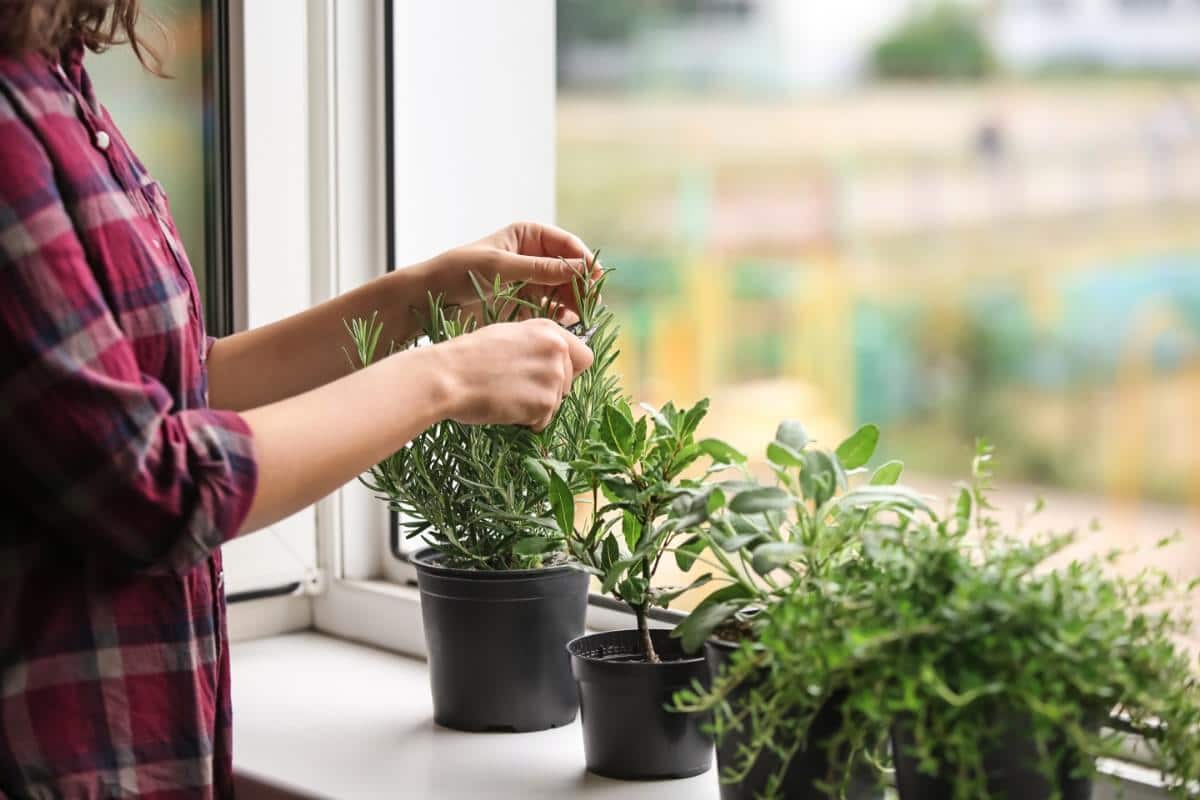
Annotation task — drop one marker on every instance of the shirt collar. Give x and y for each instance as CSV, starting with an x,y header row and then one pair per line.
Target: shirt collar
x,y
72,59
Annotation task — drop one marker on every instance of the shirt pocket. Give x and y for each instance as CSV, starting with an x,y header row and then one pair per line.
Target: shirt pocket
x,y
150,296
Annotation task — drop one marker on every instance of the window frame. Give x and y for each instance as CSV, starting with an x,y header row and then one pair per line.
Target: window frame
x,y
219,299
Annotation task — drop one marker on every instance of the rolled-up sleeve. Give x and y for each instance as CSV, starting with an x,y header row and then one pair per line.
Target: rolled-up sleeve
x,y
97,451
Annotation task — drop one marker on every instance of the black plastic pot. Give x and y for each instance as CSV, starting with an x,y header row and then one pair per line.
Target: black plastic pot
x,y
1011,768
628,733
496,644
807,766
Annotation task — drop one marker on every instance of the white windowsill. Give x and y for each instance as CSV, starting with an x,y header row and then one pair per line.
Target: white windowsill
x,y
317,716
320,717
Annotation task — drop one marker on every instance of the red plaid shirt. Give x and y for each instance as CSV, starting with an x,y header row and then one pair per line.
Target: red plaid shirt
x,y
117,483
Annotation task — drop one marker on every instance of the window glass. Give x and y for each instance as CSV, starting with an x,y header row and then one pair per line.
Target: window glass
x,y
164,119
850,213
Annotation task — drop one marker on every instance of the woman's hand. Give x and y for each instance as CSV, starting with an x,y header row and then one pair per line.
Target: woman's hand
x,y
542,255
511,373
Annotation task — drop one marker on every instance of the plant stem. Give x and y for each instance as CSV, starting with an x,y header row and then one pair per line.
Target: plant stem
x,y
643,623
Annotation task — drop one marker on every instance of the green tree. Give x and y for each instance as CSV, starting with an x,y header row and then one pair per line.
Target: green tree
x,y
945,41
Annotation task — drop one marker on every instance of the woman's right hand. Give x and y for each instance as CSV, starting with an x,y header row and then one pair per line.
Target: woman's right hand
x,y
512,373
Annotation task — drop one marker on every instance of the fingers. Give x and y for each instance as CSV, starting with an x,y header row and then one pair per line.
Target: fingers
x,y
580,355
537,239
541,270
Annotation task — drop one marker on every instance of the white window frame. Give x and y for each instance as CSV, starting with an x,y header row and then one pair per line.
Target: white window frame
x,y
270,199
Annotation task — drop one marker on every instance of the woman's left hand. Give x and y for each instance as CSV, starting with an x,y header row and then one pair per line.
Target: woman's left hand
x,y
541,255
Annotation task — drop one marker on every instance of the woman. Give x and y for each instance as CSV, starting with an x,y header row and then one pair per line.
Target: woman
x,y
134,446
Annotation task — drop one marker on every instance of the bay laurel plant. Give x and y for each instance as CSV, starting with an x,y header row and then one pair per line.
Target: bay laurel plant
x,y
648,485
468,490
962,635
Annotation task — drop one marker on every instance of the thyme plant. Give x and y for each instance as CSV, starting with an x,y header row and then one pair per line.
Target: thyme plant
x,y
960,634
468,490
643,504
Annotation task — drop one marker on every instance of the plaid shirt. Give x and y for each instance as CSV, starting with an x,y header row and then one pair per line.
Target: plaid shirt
x,y
117,483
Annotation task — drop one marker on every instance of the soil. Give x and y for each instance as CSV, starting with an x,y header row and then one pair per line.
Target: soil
x,y
733,631
639,658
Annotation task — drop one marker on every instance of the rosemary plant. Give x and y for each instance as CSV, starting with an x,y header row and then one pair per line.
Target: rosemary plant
x,y
469,490
959,634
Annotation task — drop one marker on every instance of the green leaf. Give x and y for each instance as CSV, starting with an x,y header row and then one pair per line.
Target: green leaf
x,y
732,591
633,589
716,500
660,421
784,455
962,509
692,418
887,474
535,545
616,490
819,479
700,624
638,442
538,471
721,452
689,510
686,553
563,503
773,555
617,431
731,544
663,597
631,529
684,458
859,447
871,496
755,501
612,553
791,433
614,574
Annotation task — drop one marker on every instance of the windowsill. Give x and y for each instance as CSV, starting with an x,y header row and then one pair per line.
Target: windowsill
x,y
316,716
320,717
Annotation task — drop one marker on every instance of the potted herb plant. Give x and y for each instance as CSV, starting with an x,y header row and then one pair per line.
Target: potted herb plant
x,y
648,495
769,542
499,596
996,667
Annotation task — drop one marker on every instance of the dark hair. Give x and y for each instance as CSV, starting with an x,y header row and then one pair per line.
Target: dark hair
x,y
48,25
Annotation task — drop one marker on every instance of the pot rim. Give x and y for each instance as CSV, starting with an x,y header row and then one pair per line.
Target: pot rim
x,y
675,662
427,559
724,645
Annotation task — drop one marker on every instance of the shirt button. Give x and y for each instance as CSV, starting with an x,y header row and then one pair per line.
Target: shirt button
x,y
102,140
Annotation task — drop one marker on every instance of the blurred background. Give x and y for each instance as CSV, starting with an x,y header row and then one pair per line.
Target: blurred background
x,y
951,219
165,120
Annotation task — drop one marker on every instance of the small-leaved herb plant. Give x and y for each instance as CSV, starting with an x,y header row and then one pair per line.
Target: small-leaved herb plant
x,y
648,496
469,490
959,634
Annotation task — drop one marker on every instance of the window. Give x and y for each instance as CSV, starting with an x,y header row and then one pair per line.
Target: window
x,y
948,259
183,130
180,130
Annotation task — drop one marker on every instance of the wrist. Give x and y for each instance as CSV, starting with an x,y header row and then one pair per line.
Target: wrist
x,y
393,296
445,391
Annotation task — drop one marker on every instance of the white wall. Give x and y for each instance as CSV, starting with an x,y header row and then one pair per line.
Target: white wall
x,y
474,95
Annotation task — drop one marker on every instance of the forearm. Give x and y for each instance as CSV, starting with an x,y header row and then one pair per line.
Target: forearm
x,y
304,351
308,445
